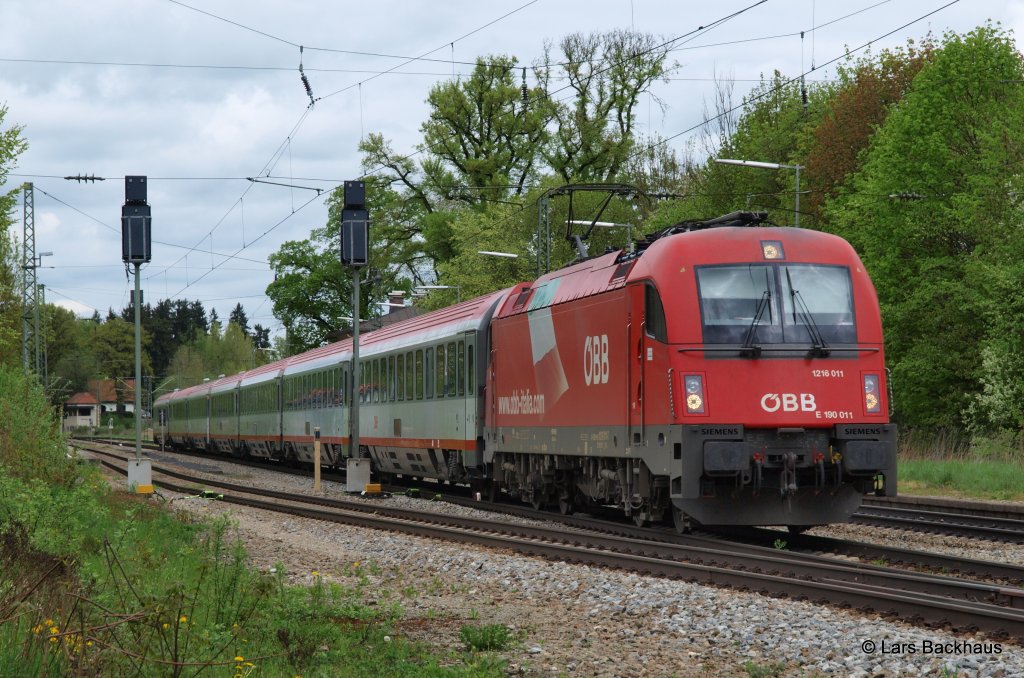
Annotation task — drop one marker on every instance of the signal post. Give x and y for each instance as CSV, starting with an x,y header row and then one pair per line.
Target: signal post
x,y
136,249
355,253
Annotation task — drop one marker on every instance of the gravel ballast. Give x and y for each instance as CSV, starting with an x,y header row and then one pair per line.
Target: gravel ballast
x,y
578,620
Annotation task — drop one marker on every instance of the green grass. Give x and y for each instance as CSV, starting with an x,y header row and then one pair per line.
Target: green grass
x,y
486,637
969,478
953,463
98,582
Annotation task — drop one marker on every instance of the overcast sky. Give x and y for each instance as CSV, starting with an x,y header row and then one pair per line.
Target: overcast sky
x,y
198,95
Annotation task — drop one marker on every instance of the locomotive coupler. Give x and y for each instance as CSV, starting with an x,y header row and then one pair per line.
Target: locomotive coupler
x,y
788,475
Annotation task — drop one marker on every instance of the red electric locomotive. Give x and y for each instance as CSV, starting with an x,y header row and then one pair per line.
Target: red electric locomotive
x,y
726,373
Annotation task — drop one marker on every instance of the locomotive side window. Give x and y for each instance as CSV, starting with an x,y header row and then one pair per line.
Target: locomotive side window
x,y
471,374
654,321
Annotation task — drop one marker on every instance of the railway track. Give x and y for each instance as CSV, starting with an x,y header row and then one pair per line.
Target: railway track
x,y
935,600
976,520
969,519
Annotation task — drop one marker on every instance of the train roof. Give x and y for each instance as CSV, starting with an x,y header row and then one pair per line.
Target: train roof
x,y
584,279
473,314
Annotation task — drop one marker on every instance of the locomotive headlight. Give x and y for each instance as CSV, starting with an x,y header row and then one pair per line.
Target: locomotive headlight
x,y
772,249
694,385
872,401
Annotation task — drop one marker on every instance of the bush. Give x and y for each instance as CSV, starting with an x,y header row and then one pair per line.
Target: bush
x,y
31,443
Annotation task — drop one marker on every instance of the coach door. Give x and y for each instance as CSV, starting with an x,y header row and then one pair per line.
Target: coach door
x,y
636,349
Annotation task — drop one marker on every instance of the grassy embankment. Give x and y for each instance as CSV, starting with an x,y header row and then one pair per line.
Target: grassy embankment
x,y
961,467
99,582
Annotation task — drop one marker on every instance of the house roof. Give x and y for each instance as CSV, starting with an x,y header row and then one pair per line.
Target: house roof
x,y
105,390
83,398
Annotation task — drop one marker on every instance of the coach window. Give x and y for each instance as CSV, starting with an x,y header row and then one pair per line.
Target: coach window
x,y
408,375
439,372
453,374
400,376
376,380
343,386
428,372
462,368
419,374
654,321
470,372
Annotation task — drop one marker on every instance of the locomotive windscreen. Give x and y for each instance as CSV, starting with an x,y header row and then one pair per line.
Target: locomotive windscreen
x,y
797,300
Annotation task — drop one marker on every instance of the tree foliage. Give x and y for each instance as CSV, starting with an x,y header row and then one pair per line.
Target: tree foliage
x,y
941,261
594,133
12,144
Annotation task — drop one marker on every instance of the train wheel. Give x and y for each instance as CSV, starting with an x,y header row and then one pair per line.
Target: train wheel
x,y
640,519
565,503
681,521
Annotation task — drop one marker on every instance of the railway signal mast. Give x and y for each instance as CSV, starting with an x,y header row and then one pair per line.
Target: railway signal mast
x,y
355,253
136,249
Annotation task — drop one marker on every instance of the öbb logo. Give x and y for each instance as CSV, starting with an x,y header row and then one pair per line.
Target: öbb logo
x,y
595,360
788,402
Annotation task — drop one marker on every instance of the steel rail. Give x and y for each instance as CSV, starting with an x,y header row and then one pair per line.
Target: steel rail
x,y
858,586
755,538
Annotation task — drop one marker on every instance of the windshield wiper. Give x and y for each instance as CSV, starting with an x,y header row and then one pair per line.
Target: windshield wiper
x,y
819,349
749,348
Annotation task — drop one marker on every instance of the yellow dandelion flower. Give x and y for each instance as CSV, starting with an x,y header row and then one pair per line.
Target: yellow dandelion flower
x,y
54,631
166,625
182,619
315,573
49,622
37,629
249,664
239,658
53,640
88,643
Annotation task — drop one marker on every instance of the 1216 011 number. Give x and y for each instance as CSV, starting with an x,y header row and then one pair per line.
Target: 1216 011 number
x,y
828,374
